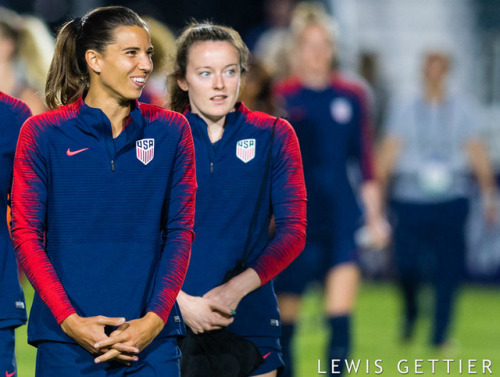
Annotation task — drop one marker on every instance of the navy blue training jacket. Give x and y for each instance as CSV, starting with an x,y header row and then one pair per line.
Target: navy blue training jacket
x,y
103,226
229,174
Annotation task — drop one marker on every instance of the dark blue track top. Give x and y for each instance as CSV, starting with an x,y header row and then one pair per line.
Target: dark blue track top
x,y
103,226
229,174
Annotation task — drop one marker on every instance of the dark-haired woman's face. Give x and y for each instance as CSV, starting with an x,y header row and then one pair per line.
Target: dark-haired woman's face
x,y
213,78
126,63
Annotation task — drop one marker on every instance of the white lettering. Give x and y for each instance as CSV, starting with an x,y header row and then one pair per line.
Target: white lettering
x,y
418,366
433,361
335,366
319,368
380,369
472,365
350,365
447,361
405,367
486,365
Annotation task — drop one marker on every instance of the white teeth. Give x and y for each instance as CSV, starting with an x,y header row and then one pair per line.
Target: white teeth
x,y
140,80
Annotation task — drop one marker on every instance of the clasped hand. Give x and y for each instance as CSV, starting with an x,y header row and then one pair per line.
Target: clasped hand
x,y
122,345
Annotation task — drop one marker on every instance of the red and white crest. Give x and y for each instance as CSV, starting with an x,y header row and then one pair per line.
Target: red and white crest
x,y
245,150
145,150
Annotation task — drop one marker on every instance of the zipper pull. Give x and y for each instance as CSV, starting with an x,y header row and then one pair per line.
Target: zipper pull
x,y
211,167
112,165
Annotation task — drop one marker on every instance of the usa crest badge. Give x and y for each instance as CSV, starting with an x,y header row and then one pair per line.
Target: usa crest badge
x,y
245,150
145,150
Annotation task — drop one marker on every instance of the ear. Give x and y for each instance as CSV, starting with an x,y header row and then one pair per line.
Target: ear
x,y
183,84
93,59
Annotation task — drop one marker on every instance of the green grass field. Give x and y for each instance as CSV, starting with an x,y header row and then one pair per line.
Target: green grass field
x,y
476,336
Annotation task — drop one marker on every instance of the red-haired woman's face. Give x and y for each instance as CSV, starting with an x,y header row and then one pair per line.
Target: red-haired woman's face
x,y
213,78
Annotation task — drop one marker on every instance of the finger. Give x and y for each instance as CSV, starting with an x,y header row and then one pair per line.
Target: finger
x,y
108,342
125,348
125,357
120,329
110,321
111,354
223,322
221,308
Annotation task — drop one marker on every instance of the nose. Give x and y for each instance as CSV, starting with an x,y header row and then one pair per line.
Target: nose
x,y
218,82
146,64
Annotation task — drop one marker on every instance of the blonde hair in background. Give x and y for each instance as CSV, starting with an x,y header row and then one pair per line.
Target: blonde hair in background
x,y
36,47
163,41
33,46
312,13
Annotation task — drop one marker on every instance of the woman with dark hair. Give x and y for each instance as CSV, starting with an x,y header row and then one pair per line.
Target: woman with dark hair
x,y
103,207
248,168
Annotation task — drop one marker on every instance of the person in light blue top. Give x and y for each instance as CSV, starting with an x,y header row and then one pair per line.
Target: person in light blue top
x,y
431,146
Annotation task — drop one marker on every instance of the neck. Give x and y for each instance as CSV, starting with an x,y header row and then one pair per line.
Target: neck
x,y
216,129
116,112
315,80
434,92
7,77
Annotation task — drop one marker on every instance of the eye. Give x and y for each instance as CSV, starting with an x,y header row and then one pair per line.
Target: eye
x,y
204,74
131,53
231,72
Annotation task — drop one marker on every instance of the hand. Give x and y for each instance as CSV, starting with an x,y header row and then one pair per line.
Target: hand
x,y
489,203
86,331
230,293
136,334
379,232
203,314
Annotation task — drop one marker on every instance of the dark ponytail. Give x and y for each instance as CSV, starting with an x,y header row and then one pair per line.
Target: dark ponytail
x,y
68,75
65,79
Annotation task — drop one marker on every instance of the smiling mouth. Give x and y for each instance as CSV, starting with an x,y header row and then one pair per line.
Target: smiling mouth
x,y
139,80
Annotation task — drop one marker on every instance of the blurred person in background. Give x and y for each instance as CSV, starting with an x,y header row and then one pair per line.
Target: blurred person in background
x,y
26,47
252,161
331,117
12,305
430,145
256,92
277,16
273,42
105,278
163,41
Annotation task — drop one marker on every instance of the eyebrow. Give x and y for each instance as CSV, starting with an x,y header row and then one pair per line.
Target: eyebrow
x,y
132,48
209,67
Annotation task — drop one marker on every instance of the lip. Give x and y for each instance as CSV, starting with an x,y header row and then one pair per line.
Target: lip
x,y
219,98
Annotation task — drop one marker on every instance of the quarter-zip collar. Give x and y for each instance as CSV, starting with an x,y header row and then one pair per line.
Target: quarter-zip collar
x,y
93,122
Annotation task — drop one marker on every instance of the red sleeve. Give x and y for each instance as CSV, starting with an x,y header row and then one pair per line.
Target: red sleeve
x,y
29,200
177,228
288,197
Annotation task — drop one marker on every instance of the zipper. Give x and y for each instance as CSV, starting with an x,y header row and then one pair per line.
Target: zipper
x,y
113,165
211,167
